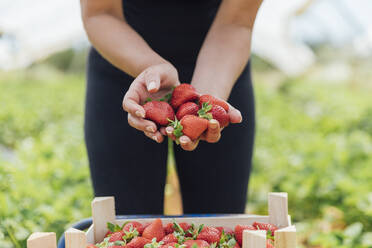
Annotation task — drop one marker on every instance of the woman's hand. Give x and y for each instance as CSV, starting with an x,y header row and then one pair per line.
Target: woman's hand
x,y
211,135
154,82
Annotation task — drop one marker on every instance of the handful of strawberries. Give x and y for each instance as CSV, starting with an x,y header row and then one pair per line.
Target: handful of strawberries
x,y
183,235
187,112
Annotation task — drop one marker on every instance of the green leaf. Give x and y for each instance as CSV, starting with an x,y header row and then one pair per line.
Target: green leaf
x,y
148,99
203,112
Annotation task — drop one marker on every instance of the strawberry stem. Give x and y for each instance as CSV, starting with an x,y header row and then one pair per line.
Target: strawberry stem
x,y
203,112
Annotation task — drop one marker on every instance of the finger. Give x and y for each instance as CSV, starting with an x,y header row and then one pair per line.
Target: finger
x,y
162,131
157,137
235,115
187,144
169,132
141,124
131,103
213,133
152,80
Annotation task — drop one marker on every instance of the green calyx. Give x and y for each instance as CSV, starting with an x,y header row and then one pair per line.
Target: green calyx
x,y
203,112
177,129
154,244
129,235
226,240
114,227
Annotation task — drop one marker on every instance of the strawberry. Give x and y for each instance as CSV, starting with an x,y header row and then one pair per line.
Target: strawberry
x,y
130,226
239,232
190,125
220,115
183,93
154,230
187,108
159,112
117,236
198,243
264,226
209,234
213,101
91,246
169,228
138,242
172,244
169,239
269,243
226,230
236,245
216,112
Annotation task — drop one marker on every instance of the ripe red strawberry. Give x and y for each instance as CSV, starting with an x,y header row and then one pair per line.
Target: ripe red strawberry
x,y
239,232
236,245
193,126
169,239
198,243
133,225
117,236
213,101
169,228
108,234
146,225
209,234
159,112
173,245
183,93
138,242
227,230
220,115
265,226
154,230
188,108
216,112
269,243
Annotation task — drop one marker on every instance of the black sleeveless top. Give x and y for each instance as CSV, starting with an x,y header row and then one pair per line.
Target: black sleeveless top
x,y
175,29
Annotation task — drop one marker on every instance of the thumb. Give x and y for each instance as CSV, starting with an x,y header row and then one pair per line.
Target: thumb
x,y
152,80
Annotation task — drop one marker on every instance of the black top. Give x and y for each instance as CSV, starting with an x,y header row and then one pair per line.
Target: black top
x,y
173,28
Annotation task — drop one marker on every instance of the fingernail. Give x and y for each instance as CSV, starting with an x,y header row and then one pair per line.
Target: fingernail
x,y
214,123
183,140
140,114
152,85
155,138
150,129
168,130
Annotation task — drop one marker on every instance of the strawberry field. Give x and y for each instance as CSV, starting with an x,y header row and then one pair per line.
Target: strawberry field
x,y
314,141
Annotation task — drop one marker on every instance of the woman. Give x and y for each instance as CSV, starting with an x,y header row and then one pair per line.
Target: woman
x,y
143,48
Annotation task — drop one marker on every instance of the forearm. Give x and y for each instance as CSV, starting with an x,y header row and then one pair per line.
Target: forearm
x,y
120,44
221,60
227,47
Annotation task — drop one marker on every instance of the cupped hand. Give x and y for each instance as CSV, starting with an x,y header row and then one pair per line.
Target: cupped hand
x,y
211,135
155,82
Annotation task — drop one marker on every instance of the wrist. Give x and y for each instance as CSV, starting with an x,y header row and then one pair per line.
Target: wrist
x,y
214,90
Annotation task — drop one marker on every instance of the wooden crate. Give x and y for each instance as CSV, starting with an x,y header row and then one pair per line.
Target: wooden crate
x,y
103,211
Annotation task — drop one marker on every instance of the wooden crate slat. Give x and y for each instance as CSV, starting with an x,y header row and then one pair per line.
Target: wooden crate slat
x,y
75,238
90,235
254,239
103,211
42,240
228,221
285,237
278,209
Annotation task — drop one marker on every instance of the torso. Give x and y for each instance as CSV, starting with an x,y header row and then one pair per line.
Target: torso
x,y
174,29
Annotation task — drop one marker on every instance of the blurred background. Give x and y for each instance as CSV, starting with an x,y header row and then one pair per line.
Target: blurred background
x,y
312,63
